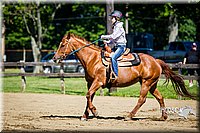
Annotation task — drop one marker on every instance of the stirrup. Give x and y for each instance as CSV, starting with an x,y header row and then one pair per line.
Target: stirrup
x,y
113,76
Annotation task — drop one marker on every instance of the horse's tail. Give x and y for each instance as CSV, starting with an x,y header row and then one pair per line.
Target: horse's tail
x,y
177,81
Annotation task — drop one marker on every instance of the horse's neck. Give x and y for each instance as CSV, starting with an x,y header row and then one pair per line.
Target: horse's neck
x,y
86,55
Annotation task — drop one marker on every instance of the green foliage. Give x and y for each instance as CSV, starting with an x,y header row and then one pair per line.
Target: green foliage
x,y
168,10
15,29
187,30
17,35
17,39
89,21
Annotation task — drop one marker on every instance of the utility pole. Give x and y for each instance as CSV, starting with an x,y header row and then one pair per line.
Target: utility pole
x,y
109,10
3,44
126,17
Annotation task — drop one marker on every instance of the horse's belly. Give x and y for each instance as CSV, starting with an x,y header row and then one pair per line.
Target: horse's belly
x,y
127,79
125,84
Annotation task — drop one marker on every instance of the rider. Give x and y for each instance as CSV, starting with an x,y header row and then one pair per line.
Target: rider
x,y
117,38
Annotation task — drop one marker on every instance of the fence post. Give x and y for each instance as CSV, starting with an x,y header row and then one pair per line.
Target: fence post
x,y
62,78
180,73
23,78
113,89
101,92
179,97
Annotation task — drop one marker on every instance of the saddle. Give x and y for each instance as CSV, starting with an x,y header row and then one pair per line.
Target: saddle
x,y
127,59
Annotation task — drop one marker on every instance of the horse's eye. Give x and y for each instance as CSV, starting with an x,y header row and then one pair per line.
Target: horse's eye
x,y
62,44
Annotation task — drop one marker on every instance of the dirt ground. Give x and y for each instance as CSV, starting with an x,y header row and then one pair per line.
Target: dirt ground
x,y
57,112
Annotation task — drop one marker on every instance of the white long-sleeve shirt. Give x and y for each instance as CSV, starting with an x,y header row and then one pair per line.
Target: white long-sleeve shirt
x,y
118,36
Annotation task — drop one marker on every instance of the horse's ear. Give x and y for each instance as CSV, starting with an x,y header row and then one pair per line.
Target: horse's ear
x,y
68,35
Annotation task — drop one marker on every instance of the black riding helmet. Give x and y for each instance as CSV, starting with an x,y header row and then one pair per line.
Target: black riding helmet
x,y
116,14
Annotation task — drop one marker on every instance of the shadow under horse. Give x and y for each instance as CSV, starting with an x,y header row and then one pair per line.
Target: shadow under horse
x,y
147,73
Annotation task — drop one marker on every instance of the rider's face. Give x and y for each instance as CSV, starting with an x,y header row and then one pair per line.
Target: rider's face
x,y
194,47
113,19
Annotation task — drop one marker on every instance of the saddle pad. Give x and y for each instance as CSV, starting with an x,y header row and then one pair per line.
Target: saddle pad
x,y
132,60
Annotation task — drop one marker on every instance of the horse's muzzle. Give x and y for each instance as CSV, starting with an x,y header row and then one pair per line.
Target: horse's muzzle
x,y
57,59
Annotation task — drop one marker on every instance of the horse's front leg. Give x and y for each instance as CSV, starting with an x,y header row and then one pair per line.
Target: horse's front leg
x,y
87,110
90,95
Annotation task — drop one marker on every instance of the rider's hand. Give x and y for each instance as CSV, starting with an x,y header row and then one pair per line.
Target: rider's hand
x,y
102,36
106,42
108,49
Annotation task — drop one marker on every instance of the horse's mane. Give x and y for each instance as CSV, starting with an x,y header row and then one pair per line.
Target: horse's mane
x,y
78,37
82,39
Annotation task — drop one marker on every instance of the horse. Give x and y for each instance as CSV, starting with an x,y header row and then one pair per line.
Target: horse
x,y
147,73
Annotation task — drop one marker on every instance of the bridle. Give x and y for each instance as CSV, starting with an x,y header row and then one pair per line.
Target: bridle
x,y
72,52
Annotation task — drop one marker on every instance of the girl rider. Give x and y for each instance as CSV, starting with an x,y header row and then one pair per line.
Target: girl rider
x,y
117,38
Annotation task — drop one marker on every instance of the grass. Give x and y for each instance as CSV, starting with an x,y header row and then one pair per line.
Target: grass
x,y
77,86
45,85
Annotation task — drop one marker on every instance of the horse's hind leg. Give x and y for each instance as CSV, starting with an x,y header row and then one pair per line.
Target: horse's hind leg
x,y
154,91
142,99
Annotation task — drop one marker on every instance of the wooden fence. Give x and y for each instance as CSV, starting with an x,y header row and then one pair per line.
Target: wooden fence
x,y
23,74
63,75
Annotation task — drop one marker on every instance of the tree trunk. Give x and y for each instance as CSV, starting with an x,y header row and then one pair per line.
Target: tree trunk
x,y
39,27
109,10
36,55
126,21
37,45
3,45
198,32
36,39
173,28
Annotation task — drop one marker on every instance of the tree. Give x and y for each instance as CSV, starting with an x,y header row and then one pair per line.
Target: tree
x,y
109,10
188,18
89,21
86,20
166,22
34,17
173,23
3,29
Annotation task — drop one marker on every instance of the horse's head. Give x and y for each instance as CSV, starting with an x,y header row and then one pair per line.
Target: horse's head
x,y
63,49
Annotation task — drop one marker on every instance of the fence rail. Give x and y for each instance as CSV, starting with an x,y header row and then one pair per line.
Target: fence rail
x,y
63,75
66,75
21,63
36,63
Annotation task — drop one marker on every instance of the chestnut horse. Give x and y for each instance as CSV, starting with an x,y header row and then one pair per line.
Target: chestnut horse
x,y
147,73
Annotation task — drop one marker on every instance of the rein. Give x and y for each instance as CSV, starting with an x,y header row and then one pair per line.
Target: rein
x,y
83,47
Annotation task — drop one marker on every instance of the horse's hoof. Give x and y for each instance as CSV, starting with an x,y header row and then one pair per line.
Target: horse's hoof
x,y
163,118
83,119
95,114
127,118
